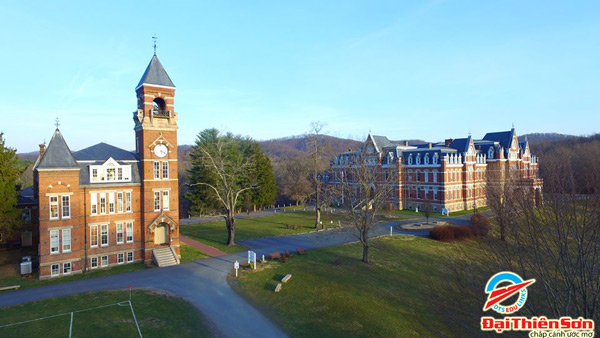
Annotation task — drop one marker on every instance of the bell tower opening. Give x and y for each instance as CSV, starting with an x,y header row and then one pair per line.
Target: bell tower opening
x,y
158,108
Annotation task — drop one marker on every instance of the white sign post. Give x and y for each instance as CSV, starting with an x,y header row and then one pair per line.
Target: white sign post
x,y
391,231
254,260
236,266
249,256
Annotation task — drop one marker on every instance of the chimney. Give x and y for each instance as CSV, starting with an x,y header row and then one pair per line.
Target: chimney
x,y
406,143
448,142
42,149
429,145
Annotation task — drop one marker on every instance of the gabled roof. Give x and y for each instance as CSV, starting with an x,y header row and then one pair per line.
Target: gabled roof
x,y
461,144
57,154
26,196
155,74
103,151
504,137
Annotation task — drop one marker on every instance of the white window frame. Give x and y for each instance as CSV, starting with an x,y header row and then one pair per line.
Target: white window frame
x,y
129,232
120,233
65,201
120,258
55,267
165,170
130,257
103,233
93,228
128,201
54,242
111,203
104,261
65,265
102,209
165,200
92,260
157,170
119,201
157,198
66,240
53,200
94,203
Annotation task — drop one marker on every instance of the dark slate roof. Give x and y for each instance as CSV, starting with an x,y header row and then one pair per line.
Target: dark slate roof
x,y
381,142
103,151
26,196
461,144
57,154
155,74
504,137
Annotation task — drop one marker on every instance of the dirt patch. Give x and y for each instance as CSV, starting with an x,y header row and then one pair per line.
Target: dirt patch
x,y
421,226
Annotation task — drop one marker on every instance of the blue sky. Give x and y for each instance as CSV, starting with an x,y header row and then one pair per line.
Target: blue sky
x,y
404,69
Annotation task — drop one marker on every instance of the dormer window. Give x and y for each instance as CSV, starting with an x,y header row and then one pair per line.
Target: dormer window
x,y
110,171
419,159
491,153
158,108
427,159
410,160
435,159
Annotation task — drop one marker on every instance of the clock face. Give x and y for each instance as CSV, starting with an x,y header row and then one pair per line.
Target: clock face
x,y
161,150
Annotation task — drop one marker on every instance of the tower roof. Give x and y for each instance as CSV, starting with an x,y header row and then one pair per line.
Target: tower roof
x,y
57,154
155,74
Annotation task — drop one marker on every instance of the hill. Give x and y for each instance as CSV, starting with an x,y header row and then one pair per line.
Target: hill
x,y
537,138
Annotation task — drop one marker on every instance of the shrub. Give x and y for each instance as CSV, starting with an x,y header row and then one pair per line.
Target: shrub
x,y
480,225
462,232
283,259
442,233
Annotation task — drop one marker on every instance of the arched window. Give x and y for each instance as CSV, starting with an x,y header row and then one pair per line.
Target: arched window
x,y
491,153
410,175
419,159
426,175
418,174
427,159
435,175
435,159
410,160
158,107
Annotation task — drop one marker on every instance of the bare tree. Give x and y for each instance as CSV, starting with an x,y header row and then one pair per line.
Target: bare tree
x,y
317,166
366,190
499,191
223,168
293,175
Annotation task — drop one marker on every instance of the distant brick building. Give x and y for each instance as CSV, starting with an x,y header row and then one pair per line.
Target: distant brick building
x,y
103,206
451,175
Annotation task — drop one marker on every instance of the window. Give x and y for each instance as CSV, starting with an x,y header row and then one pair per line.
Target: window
x,y
93,236
53,207
128,201
410,175
66,206
119,202
427,159
435,194
157,201
26,215
418,173
67,268
156,170
119,174
435,159
66,240
110,174
53,241
104,261
104,234
94,204
435,174
111,171
119,233
130,257
410,159
103,203
165,200
419,159
54,270
426,175
165,169
111,203
120,258
129,232
94,262
94,175
491,153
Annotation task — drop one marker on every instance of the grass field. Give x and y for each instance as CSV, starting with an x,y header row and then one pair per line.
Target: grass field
x,y
189,253
392,297
158,315
215,233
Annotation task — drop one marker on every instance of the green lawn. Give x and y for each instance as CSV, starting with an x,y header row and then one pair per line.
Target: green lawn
x,y
215,233
158,315
33,281
437,214
395,296
189,253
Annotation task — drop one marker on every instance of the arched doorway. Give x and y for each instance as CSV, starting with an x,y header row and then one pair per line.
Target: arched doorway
x,y
161,234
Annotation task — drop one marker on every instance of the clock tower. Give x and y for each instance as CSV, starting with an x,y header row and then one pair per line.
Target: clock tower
x,y
156,147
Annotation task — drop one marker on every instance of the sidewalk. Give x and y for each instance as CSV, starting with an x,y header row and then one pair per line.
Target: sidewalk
x,y
209,250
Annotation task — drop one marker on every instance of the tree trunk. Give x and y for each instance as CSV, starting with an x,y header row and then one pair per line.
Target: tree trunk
x,y
364,240
317,217
230,222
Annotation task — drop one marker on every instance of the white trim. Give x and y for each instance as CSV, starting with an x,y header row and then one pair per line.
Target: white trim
x,y
153,85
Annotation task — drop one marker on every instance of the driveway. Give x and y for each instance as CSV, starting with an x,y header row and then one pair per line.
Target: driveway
x,y
203,282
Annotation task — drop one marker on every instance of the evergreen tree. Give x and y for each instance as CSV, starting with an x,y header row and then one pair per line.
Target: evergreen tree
x,y
266,191
9,175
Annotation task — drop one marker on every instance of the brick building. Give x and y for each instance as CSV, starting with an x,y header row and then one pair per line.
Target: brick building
x,y
451,175
104,206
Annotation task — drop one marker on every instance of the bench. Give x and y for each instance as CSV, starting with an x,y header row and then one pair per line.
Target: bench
x,y
278,287
13,287
301,251
275,255
286,278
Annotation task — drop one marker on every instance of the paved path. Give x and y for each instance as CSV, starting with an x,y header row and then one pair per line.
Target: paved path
x,y
203,283
209,250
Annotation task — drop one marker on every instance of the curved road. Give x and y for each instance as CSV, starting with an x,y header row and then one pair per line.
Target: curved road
x,y
203,282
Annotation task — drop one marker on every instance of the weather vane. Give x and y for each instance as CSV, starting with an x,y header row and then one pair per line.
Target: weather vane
x,y
154,37
57,122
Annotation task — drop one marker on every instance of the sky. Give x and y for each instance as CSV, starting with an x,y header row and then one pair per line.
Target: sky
x,y
266,69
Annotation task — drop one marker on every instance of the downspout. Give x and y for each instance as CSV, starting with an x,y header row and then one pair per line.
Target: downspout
x,y
85,246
